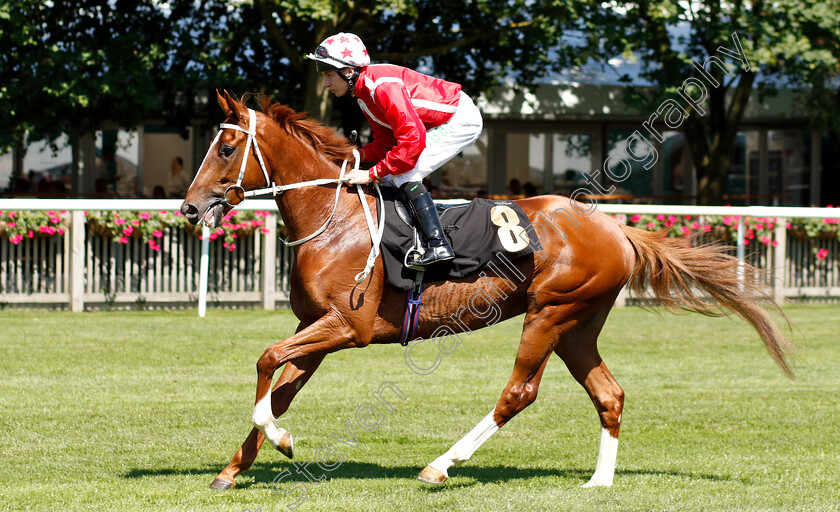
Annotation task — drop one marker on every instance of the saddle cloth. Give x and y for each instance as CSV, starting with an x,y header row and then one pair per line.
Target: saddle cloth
x,y
478,231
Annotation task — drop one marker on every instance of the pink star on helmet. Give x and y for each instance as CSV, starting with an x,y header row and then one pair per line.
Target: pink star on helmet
x,y
329,41
347,52
365,51
344,39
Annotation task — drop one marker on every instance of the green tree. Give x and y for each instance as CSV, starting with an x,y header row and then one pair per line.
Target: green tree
x,y
778,39
72,65
477,43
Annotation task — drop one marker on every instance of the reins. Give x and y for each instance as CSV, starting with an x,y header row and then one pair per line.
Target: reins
x,y
239,194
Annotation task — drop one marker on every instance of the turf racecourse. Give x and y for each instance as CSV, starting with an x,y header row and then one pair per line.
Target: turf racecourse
x,y
137,411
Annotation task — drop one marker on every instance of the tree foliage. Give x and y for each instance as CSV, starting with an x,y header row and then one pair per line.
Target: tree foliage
x,y
787,43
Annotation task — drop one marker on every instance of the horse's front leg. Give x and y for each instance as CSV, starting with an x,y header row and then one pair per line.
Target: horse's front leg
x,y
326,335
294,376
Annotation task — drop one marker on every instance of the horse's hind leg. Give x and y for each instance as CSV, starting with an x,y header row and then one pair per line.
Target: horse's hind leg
x,y
294,376
580,353
520,392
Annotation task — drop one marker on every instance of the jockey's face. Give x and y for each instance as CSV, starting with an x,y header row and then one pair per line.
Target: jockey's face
x,y
335,83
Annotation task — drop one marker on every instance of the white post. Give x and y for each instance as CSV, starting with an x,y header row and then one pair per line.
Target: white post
x,y
77,261
780,261
204,269
740,249
269,263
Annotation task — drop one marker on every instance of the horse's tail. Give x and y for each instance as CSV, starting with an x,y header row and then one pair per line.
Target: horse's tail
x,y
670,267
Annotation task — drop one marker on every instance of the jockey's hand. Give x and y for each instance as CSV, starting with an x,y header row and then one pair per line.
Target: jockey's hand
x,y
358,177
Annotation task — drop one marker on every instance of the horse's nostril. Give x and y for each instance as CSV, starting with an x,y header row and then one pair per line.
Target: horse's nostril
x,y
190,211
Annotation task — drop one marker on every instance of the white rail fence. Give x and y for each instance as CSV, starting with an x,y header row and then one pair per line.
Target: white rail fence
x,y
83,269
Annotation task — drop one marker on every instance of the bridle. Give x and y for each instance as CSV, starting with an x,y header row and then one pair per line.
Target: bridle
x,y
235,194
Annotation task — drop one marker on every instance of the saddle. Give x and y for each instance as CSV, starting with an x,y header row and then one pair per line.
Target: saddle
x,y
478,230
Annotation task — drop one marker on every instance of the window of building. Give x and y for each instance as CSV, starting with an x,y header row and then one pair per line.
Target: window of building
x,y
571,157
466,174
789,162
632,175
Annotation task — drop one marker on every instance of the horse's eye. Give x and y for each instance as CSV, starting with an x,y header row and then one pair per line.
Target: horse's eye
x,y
227,150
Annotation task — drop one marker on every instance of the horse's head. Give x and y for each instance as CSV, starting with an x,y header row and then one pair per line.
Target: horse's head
x,y
228,169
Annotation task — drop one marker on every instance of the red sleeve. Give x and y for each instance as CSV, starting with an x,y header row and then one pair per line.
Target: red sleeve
x,y
382,140
408,130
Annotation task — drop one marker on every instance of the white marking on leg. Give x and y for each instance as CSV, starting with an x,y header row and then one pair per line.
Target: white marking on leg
x,y
605,466
463,449
264,420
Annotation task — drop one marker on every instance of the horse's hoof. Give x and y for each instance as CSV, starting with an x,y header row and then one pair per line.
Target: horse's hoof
x,y
431,475
287,444
222,485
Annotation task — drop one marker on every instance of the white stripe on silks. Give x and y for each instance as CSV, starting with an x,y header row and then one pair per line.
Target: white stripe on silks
x,y
367,111
431,105
371,85
605,466
466,447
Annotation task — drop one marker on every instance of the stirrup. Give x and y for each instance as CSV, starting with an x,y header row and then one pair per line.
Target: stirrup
x,y
434,255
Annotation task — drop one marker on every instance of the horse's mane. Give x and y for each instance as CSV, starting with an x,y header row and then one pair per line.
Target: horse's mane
x,y
322,139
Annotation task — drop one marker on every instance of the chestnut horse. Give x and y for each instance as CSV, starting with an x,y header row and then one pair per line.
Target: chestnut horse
x,y
565,290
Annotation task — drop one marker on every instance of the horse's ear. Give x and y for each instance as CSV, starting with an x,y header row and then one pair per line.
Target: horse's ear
x,y
228,104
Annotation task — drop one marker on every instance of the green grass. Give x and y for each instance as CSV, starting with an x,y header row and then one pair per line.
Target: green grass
x,y
139,411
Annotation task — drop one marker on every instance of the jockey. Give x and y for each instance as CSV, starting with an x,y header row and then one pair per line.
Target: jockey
x,y
418,123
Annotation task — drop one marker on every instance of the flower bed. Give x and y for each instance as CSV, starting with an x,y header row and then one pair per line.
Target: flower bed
x,y
149,226
17,225
756,229
120,226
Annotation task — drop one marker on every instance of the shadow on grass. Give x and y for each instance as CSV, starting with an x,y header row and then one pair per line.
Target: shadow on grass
x,y
465,476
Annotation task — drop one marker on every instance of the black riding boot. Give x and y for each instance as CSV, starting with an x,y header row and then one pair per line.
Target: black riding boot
x,y
423,208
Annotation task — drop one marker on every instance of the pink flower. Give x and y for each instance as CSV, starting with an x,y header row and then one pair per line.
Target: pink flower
x,y
660,217
120,221
635,218
775,243
232,247
759,226
31,234
11,224
135,222
822,253
770,225
60,231
157,234
727,221
746,241
12,215
707,228
123,240
695,225
145,215
264,231
651,225
213,236
765,240
685,230
55,220
787,225
127,231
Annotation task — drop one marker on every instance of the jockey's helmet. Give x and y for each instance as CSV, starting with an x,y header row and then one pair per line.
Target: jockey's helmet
x,y
343,50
